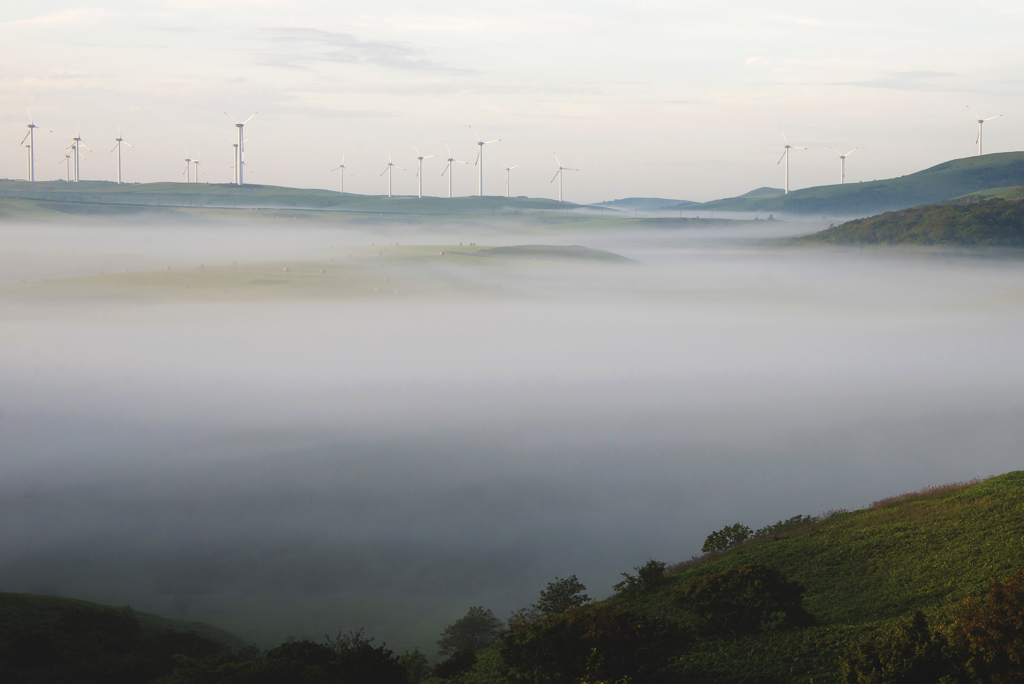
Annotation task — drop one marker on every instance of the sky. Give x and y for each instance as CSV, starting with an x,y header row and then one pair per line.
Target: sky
x,y
665,99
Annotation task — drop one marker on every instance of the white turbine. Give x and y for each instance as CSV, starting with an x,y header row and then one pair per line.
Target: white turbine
x,y
241,143
388,171
342,167
451,160
117,146
28,160
235,164
187,173
981,122
842,162
199,167
31,173
78,144
66,161
419,168
785,155
508,171
480,157
558,175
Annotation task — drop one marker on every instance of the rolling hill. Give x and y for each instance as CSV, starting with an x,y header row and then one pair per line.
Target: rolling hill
x,y
942,182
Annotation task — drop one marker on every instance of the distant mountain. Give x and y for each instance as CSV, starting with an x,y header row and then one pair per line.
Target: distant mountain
x,y
643,203
939,183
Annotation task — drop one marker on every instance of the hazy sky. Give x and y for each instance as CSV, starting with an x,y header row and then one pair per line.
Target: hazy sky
x,y
678,99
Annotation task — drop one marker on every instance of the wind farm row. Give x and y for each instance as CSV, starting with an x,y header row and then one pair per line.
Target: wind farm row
x,y
193,166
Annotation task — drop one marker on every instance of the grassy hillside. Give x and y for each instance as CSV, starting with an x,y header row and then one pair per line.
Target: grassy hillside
x,y
942,182
862,570
993,222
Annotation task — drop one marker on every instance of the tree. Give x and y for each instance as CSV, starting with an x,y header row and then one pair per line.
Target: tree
x,y
909,653
725,538
416,666
649,576
745,599
457,664
599,643
478,628
358,661
992,628
562,595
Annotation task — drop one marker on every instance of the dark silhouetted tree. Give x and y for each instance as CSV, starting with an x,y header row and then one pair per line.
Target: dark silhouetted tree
x,y
478,628
562,595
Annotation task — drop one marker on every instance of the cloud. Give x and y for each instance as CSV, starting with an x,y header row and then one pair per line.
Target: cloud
x,y
78,15
305,46
909,80
755,60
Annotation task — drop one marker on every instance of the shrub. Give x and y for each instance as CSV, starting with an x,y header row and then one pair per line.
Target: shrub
x,y
562,595
478,628
909,653
415,664
600,643
358,661
745,599
992,628
789,526
726,537
649,576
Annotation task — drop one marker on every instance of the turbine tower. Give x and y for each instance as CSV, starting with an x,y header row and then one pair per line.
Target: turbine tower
x,y
78,144
558,175
508,170
981,122
199,168
235,164
28,160
66,161
842,163
480,157
785,155
241,143
117,146
451,160
188,168
32,144
419,168
388,171
342,167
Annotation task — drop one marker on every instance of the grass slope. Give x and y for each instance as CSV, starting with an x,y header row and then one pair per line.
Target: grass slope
x,y
942,182
863,570
993,222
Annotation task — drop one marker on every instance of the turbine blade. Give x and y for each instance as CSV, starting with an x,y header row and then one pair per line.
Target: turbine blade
x,y
446,168
447,148
973,112
24,139
417,151
475,135
385,170
993,117
389,155
782,157
478,153
30,120
784,135
516,166
492,141
430,156
250,118
834,150
852,151
231,117
556,175
114,147
556,159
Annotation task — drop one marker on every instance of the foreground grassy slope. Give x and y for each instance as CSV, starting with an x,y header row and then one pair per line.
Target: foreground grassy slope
x,y
863,570
942,182
993,222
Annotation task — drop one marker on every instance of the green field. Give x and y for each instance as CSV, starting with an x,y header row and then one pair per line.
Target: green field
x,y
942,182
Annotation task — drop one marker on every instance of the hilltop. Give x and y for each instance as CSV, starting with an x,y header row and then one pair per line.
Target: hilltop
x,y
994,222
946,181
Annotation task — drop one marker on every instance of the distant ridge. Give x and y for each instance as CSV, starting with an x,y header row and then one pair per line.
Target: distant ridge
x,y
642,203
945,181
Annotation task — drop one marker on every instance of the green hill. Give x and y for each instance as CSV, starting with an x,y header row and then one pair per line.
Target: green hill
x,y
994,222
863,571
51,639
942,182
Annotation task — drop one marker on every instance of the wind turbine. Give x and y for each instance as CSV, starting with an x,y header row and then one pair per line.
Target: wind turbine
x,y
508,171
342,167
451,160
558,175
235,165
188,168
480,157
388,171
785,155
117,146
241,143
198,168
32,144
981,122
66,161
419,168
842,162
28,160
78,153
